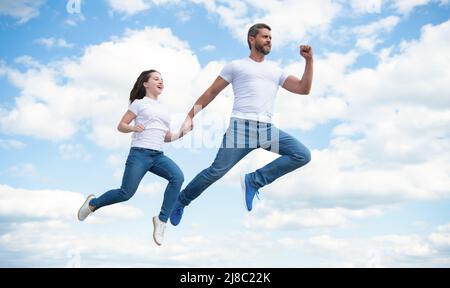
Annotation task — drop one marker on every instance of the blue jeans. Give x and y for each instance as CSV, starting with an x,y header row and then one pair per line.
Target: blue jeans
x,y
242,137
140,161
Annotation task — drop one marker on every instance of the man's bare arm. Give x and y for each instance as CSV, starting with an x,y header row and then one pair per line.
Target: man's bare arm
x,y
302,86
208,96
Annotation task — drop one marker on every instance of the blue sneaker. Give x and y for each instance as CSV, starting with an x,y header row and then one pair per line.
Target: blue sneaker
x,y
177,213
249,192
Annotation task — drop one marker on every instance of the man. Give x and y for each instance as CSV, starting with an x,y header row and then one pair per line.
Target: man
x,y
255,84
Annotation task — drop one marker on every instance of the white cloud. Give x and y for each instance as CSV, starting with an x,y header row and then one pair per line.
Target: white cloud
x,y
367,6
54,205
129,7
211,123
208,48
291,20
25,60
404,74
266,217
413,245
11,144
55,241
385,24
152,189
132,7
296,21
53,42
26,170
307,112
368,36
117,162
387,102
24,10
300,20
403,7
323,104
52,243
380,251
441,237
73,151
352,180
184,16
74,19
325,242
406,6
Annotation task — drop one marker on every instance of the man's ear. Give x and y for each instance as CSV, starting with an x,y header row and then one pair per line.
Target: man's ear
x,y
251,39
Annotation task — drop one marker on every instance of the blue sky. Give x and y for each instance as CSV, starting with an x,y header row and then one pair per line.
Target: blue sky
x,y
376,194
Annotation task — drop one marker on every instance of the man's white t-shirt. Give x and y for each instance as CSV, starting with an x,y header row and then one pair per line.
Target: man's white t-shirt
x,y
156,120
255,86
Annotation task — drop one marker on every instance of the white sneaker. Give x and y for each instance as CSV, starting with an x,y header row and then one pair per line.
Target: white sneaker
x,y
85,211
158,230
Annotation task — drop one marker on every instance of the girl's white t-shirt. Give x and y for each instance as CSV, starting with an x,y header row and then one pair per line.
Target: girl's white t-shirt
x,y
156,119
255,87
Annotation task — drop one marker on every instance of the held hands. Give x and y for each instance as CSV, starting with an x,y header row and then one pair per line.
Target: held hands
x,y
306,51
187,126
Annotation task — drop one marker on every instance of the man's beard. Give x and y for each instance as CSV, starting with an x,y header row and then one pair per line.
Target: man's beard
x,y
260,49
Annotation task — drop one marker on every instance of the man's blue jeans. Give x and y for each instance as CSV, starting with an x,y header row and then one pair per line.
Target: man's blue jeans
x,y
140,161
242,137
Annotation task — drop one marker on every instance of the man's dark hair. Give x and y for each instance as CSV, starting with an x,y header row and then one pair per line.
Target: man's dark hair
x,y
254,30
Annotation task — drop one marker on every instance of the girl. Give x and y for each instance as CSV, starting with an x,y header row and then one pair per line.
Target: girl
x,y
151,130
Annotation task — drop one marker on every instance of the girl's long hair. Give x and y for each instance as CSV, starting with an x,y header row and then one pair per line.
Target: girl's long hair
x,y
138,91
